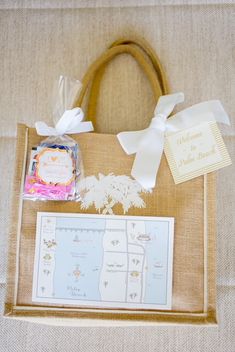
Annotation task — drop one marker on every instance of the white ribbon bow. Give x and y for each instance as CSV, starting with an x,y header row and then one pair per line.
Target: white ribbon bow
x,y
70,122
148,144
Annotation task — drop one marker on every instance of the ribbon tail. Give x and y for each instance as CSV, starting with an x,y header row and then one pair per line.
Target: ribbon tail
x,y
84,126
206,111
148,158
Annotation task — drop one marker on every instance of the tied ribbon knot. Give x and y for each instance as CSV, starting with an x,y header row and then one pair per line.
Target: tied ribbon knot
x,y
148,144
71,122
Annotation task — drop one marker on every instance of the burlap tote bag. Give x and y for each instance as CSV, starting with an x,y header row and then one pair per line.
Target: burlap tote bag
x,y
192,204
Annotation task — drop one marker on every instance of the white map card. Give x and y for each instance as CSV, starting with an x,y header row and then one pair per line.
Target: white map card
x,y
104,261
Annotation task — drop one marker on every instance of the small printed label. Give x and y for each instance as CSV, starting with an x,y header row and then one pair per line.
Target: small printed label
x,y
55,166
196,151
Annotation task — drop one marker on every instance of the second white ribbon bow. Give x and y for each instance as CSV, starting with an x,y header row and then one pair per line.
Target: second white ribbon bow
x,y
71,122
148,144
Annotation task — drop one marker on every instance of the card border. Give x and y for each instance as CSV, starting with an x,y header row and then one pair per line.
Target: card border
x,y
106,305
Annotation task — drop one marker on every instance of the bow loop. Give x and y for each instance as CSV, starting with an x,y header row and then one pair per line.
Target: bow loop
x,y
166,103
69,120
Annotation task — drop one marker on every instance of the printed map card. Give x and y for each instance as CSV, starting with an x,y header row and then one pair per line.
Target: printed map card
x,y
196,151
104,261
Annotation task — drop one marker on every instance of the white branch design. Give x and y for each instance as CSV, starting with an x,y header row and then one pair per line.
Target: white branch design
x,y
104,192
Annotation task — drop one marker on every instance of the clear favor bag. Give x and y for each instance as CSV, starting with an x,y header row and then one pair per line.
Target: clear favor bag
x,y
55,166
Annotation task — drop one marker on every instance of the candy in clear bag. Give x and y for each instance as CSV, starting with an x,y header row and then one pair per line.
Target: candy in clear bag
x,y
55,166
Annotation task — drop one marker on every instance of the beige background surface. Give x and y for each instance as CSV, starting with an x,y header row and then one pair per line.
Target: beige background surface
x,y
39,40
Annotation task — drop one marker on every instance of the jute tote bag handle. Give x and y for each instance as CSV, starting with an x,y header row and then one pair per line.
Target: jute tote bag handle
x,y
151,56
145,57
150,52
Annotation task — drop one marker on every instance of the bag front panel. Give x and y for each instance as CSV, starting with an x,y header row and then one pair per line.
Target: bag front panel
x,y
185,202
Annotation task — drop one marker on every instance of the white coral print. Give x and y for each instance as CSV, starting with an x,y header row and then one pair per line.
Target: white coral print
x,y
106,191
